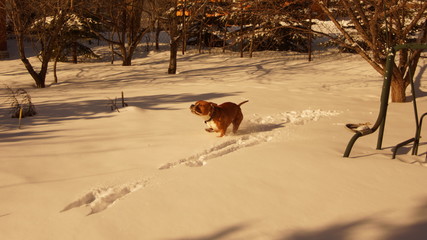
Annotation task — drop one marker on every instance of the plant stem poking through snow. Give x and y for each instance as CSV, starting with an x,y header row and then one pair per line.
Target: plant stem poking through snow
x,y
113,103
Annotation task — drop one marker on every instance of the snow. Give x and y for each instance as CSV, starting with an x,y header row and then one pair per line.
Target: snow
x,y
78,170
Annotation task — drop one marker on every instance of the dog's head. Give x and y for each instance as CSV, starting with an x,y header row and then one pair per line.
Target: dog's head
x,y
202,108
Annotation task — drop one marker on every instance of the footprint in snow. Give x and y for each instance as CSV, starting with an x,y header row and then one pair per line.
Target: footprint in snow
x,y
100,199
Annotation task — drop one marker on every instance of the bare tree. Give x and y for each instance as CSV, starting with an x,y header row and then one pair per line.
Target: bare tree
x,y
157,8
127,20
41,22
377,25
179,16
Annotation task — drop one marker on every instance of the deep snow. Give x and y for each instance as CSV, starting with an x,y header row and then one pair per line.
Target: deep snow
x,y
80,171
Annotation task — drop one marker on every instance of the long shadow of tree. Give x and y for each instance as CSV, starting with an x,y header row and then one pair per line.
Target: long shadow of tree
x,y
417,230
225,233
340,231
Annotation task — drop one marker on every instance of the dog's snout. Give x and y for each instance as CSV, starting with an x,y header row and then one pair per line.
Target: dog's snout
x,y
195,109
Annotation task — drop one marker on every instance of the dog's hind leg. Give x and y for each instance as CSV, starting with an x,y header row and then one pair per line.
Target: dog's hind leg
x,y
237,120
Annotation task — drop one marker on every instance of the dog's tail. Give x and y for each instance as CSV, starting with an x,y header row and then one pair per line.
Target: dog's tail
x,y
242,103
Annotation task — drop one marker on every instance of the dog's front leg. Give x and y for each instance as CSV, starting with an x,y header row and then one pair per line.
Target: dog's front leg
x,y
209,130
222,133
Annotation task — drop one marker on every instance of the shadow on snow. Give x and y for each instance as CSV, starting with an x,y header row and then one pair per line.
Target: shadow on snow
x,y
60,112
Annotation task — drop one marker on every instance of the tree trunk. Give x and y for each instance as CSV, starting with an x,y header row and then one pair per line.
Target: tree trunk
x,y
200,37
127,61
398,90
184,29
174,38
310,33
224,43
58,54
241,32
55,76
39,79
126,57
112,53
157,35
173,55
251,46
74,49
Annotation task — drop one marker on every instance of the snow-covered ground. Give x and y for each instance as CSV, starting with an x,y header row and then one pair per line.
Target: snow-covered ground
x,y
77,170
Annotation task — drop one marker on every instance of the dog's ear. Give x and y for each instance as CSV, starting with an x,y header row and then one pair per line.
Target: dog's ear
x,y
213,104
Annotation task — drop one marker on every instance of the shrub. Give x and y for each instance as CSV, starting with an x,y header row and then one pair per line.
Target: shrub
x,y
18,99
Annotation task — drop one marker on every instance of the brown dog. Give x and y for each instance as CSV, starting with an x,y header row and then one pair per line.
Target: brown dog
x,y
219,117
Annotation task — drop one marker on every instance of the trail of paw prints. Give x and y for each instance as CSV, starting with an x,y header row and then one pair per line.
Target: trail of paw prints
x,y
200,159
295,117
102,198
257,130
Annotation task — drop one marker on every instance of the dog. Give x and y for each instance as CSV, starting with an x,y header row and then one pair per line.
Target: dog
x,y
219,117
